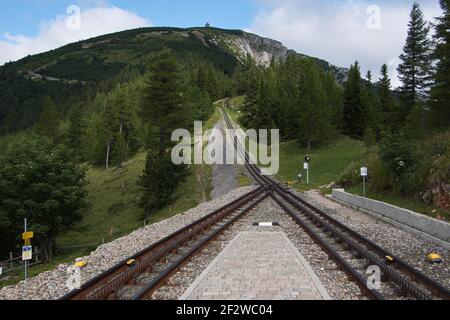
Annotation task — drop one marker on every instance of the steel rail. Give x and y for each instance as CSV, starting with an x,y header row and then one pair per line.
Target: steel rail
x,y
151,287
108,282
340,230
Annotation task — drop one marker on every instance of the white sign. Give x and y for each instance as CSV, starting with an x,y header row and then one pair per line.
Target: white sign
x,y
27,253
364,172
306,166
1,271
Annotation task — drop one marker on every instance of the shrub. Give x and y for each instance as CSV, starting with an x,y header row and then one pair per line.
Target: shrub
x,y
380,177
369,138
351,176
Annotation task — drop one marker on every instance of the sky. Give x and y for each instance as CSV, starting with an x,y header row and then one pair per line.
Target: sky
x,y
339,31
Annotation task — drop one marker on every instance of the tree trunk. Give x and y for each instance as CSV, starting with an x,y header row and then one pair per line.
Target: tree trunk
x,y
309,145
47,246
108,150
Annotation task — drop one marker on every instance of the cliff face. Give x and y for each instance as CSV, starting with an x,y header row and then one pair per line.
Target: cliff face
x,y
263,50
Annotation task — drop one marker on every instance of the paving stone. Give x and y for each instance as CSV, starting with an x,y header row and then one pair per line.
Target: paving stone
x,y
258,266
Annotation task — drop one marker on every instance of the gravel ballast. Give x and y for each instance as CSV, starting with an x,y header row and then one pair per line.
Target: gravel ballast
x,y
334,280
403,244
52,284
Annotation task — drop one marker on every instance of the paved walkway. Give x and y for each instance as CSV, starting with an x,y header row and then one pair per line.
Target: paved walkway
x,y
258,266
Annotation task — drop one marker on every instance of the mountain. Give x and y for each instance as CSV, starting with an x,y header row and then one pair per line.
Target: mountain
x,y
80,68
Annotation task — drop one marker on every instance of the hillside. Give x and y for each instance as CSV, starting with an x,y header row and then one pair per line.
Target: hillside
x,y
75,72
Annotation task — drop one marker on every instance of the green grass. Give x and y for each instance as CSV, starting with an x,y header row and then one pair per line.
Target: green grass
x,y
327,161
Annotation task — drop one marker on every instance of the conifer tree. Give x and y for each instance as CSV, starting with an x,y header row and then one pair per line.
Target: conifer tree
x,y
355,121
415,67
440,105
314,125
49,120
163,110
75,130
371,105
386,99
163,107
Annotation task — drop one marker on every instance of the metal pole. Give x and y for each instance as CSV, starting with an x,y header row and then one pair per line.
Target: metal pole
x,y
307,175
364,186
26,262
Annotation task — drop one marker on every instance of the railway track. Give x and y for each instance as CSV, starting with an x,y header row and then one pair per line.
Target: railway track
x,y
352,252
139,276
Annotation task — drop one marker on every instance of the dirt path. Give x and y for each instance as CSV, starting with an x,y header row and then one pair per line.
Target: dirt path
x,y
224,176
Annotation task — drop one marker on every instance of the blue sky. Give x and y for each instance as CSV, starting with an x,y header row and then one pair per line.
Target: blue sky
x,y
25,16
335,30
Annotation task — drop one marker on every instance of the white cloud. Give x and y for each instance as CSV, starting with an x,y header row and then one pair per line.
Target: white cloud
x,y
64,29
337,30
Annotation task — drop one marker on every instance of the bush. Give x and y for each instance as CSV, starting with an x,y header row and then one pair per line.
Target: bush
x,y
369,138
351,176
380,177
400,156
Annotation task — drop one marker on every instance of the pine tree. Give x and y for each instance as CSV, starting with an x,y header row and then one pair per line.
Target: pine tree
x,y
441,90
163,106
314,125
369,76
164,110
355,121
415,67
75,131
49,120
386,100
371,104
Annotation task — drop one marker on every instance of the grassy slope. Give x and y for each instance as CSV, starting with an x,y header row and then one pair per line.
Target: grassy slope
x,y
327,161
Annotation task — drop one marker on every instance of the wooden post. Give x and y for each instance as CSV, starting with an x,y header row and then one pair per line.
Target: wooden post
x,y
37,254
11,263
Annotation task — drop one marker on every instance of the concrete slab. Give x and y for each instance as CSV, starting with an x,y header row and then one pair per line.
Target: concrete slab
x,y
258,266
429,228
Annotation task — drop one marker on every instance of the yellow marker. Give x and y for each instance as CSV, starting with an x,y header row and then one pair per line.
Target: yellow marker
x,y
131,262
81,264
27,235
434,258
390,259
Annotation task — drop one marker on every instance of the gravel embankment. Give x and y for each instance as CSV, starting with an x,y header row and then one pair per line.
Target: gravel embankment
x,y
405,245
52,284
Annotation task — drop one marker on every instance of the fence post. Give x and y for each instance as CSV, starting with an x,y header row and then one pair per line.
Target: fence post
x,y
11,262
37,254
